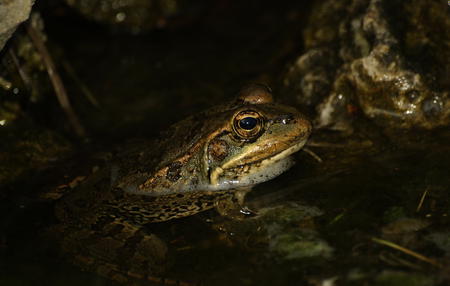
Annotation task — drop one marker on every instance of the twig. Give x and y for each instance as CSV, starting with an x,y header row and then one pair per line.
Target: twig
x,y
407,251
394,260
314,155
422,199
84,89
58,86
23,75
337,218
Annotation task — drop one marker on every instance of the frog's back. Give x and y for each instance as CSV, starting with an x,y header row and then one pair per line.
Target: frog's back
x,y
182,139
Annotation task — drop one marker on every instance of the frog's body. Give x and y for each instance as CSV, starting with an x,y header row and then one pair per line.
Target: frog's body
x,y
206,159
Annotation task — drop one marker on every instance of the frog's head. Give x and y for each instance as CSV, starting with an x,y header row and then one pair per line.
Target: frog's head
x,y
256,142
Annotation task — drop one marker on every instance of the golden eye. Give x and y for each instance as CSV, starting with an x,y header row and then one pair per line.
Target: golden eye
x,y
248,125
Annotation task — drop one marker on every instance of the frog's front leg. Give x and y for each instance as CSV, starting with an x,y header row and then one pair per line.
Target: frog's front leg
x,y
116,250
233,206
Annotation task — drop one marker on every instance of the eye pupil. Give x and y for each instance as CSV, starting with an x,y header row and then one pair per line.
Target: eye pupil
x,y
248,123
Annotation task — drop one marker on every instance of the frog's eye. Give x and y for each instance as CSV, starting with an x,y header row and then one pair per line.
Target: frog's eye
x,y
248,125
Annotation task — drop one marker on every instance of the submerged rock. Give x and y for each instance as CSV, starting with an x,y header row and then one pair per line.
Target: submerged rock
x,y
300,244
286,231
441,240
388,59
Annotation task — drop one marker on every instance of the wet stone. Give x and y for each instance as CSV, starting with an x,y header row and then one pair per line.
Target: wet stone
x,y
373,47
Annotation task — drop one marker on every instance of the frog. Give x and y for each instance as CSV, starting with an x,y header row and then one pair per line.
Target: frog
x,y
209,160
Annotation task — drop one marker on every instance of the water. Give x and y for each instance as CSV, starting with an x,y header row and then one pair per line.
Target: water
x,y
315,223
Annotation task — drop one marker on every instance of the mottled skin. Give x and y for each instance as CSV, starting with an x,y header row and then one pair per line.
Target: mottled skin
x,y
206,160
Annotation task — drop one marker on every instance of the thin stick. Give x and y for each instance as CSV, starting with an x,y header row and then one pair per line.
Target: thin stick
x,y
407,251
397,261
314,155
422,199
84,89
23,75
57,83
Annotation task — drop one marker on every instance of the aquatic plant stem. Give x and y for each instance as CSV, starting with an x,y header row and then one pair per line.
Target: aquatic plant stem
x,y
422,199
407,251
57,83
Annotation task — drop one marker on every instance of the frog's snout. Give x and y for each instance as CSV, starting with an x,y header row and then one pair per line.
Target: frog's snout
x,y
301,125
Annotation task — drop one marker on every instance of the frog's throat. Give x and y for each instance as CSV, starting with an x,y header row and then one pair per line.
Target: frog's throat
x,y
267,169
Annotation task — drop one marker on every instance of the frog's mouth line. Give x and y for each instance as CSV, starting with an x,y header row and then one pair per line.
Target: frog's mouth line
x,y
266,169
285,153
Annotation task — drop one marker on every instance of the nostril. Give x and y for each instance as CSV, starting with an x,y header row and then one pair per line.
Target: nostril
x,y
308,126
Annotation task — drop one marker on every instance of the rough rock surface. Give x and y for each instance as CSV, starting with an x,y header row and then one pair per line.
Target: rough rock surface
x,y
12,13
388,59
